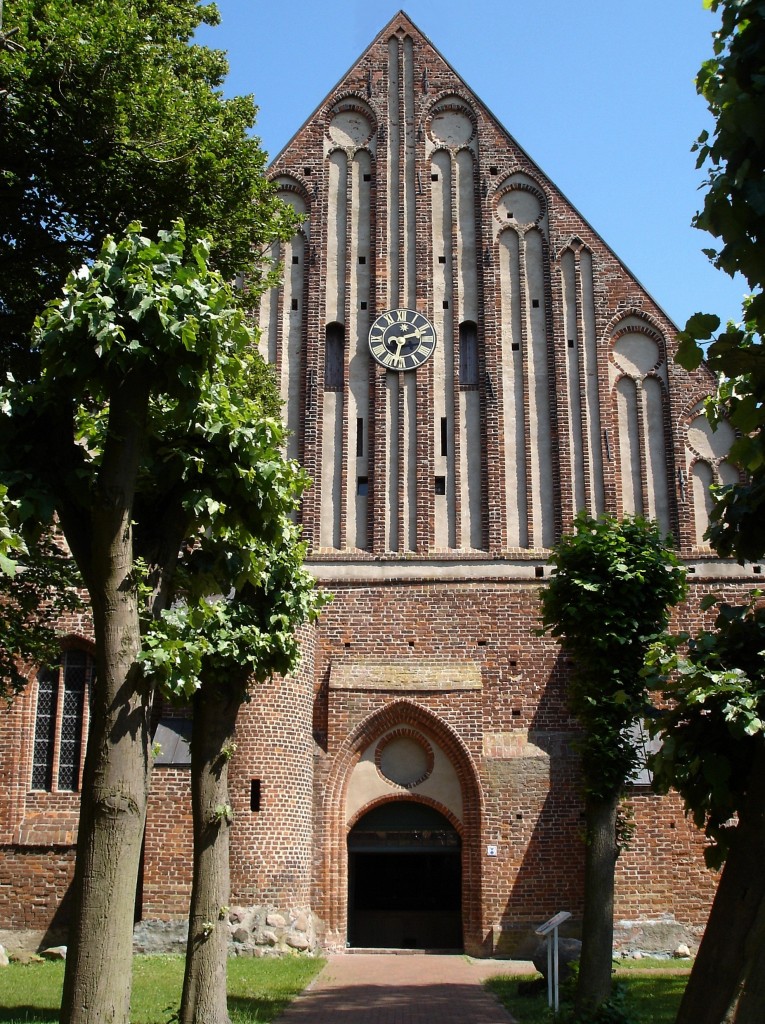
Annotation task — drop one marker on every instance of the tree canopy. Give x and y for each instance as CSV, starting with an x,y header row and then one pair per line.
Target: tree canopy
x,y
136,412
713,749
109,113
146,432
733,154
713,725
612,584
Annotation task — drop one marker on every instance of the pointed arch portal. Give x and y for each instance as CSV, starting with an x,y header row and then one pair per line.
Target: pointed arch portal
x,y
404,879
360,872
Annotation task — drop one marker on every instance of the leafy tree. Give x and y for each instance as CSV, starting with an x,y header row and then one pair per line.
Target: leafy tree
x,y
733,84
719,684
144,429
217,652
110,114
607,600
713,753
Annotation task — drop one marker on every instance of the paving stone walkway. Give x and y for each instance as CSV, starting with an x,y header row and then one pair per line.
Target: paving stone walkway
x,y
391,988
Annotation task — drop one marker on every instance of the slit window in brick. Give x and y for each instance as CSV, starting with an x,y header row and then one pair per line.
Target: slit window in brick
x,y
334,358
468,353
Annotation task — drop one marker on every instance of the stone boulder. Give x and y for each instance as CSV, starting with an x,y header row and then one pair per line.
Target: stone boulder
x,y
54,953
569,952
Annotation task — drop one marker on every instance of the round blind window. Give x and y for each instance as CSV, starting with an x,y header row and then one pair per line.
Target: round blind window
x,y
405,760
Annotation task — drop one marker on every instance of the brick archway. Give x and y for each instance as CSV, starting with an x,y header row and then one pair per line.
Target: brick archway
x,y
332,902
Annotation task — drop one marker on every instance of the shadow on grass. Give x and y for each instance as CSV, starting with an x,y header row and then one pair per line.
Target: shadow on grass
x,y
33,1014
247,1009
651,999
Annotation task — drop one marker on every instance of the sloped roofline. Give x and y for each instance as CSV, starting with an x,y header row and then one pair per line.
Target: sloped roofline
x,y
401,14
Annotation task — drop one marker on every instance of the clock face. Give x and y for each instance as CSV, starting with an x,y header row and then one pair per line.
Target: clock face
x,y
402,339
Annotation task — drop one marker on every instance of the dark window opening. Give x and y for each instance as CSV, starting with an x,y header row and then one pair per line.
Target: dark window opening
x,y
570,342
295,260
535,303
445,304
334,358
254,794
362,260
442,259
294,303
444,436
468,353
493,170
516,347
509,214
172,741
367,177
363,305
440,485
362,486
307,170
359,438
434,177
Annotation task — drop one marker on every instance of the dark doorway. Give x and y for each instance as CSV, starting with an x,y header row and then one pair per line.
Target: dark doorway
x,y
404,879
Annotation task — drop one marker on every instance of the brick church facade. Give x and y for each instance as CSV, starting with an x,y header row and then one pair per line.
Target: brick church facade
x,y
464,364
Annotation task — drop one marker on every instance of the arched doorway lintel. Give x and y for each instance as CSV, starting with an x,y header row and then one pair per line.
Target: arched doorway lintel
x,y
411,798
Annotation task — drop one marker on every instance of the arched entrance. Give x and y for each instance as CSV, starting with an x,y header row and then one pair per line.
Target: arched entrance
x,y
404,879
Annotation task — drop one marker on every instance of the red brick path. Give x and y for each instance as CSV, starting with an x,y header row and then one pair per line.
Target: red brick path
x,y
389,988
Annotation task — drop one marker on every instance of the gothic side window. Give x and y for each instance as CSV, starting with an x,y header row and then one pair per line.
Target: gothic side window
x,y
334,358
62,692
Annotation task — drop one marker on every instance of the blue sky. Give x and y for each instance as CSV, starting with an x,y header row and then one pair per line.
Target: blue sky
x,y
599,93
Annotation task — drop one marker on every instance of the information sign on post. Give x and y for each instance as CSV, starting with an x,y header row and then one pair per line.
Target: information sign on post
x,y
549,930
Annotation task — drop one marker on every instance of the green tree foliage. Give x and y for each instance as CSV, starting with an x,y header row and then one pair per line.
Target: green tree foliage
x,y
613,582
733,84
713,749
713,753
144,433
607,600
108,114
39,584
713,727
215,652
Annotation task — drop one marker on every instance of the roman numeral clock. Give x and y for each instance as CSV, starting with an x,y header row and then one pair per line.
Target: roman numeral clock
x,y
402,339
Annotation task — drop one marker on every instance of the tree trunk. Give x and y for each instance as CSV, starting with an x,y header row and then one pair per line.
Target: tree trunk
x,y
594,985
117,764
727,983
204,983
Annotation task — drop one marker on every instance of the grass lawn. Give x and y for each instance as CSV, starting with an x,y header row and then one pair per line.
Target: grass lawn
x,y
258,990
652,992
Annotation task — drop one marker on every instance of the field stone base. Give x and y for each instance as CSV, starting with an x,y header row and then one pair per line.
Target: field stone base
x,y
663,935
272,931
253,931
